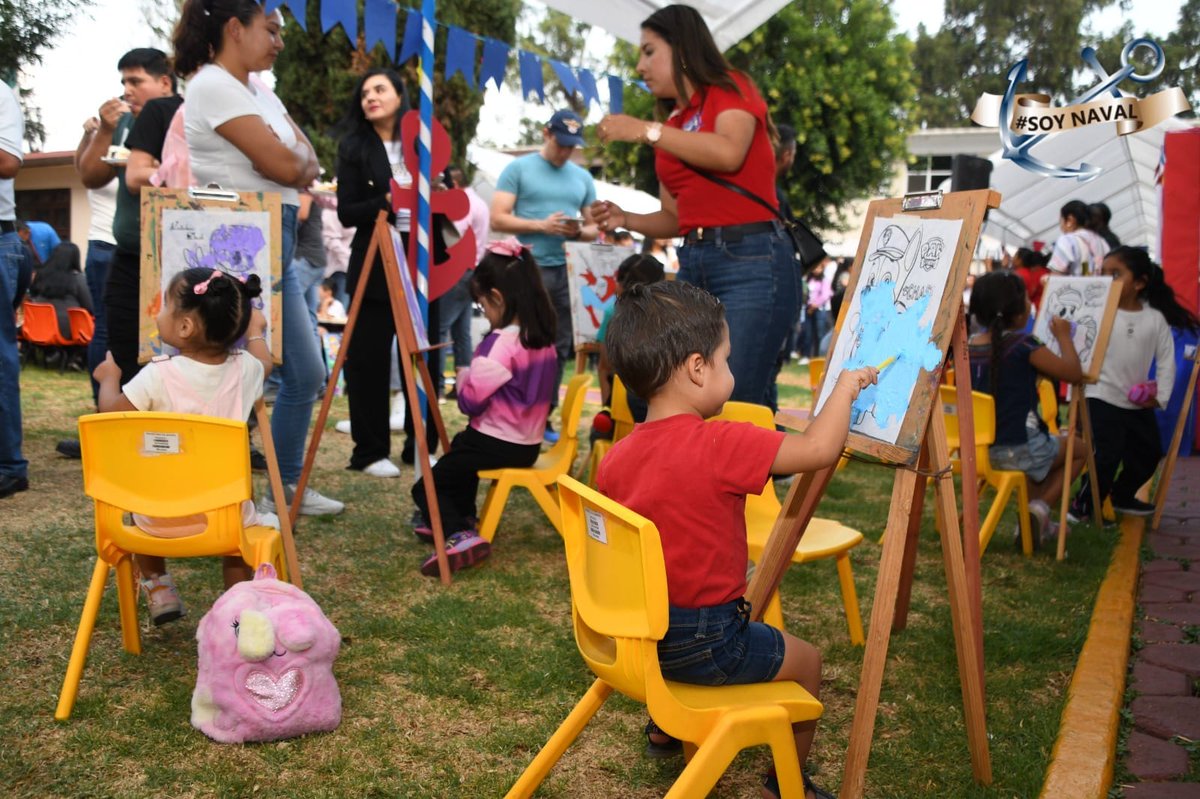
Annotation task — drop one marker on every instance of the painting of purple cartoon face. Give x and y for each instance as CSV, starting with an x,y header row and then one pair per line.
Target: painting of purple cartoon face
x,y
231,248
266,655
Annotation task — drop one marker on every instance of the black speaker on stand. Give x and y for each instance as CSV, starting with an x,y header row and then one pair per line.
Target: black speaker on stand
x,y
969,172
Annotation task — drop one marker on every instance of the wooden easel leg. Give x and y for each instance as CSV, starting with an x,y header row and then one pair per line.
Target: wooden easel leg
x,y
909,564
351,320
798,509
422,453
285,519
967,622
883,610
1090,450
1164,477
427,381
1072,413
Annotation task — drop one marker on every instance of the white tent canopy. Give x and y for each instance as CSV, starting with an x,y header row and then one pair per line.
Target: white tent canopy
x,y
729,20
1030,205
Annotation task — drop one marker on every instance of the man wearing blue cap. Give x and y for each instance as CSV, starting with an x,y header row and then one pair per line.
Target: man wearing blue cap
x,y
543,198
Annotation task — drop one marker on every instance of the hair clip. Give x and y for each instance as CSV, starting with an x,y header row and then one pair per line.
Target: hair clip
x,y
512,247
201,288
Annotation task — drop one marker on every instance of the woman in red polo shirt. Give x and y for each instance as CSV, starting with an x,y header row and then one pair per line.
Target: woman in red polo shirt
x,y
712,118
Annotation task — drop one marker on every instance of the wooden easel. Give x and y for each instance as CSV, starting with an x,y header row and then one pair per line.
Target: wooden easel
x,y
1164,479
1078,415
924,437
276,482
411,361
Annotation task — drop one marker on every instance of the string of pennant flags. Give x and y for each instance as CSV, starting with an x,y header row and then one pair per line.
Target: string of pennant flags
x,y
380,25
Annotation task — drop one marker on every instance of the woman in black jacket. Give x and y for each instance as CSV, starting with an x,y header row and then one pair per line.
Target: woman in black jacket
x,y
369,156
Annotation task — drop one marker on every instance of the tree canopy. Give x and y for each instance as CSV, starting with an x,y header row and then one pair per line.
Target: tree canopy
x,y
839,74
1181,49
26,28
316,72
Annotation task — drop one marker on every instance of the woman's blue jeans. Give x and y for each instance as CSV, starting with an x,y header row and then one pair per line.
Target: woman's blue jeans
x,y
302,370
755,279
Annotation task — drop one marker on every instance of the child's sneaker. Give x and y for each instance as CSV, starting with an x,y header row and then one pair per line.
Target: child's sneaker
x,y
162,599
464,548
1133,507
424,531
1039,515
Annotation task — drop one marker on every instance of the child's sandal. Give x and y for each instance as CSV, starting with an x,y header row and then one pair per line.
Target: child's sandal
x,y
668,748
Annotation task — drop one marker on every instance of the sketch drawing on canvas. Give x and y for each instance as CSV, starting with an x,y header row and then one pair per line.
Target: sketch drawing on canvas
x,y
1082,301
592,277
236,242
904,275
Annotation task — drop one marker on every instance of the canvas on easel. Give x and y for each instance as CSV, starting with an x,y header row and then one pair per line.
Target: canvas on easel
x,y
239,233
592,282
903,306
1090,305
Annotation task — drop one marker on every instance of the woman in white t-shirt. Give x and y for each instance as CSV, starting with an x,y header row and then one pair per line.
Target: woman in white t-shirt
x,y
1079,250
240,136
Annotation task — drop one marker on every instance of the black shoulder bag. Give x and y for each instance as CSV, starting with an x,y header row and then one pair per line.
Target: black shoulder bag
x,y
809,249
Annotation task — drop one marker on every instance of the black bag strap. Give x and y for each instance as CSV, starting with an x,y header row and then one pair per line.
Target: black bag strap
x,y
723,183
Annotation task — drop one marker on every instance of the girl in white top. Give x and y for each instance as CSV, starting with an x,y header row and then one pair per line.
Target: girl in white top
x,y
1079,250
240,136
1122,403
204,314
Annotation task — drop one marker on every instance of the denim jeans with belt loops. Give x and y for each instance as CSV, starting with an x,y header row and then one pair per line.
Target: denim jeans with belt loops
x,y
754,277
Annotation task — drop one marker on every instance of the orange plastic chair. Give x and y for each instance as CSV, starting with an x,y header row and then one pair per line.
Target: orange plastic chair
x,y
619,610
822,539
83,326
39,328
164,465
623,423
1004,482
539,478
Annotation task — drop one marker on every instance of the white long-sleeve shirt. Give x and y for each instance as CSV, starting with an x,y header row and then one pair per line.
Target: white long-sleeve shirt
x,y
1137,336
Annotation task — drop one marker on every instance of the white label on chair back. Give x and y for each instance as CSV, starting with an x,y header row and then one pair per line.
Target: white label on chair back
x,y
160,443
950,410
595,525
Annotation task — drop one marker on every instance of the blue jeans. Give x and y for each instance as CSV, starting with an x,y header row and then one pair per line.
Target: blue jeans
x,y
99,256
755,279
719,645
13,260
455,323
302,370
309,277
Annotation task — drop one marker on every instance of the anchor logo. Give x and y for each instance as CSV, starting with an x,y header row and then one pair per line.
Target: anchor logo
x,y
1104,102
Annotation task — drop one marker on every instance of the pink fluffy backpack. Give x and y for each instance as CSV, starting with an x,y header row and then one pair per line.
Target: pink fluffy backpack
x,y
266,664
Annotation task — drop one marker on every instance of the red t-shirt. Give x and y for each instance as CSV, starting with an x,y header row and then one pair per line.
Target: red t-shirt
x,y
701,202
691,477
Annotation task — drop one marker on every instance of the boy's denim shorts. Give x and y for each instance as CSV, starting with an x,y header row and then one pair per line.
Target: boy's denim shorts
x,y
1034,457
719,645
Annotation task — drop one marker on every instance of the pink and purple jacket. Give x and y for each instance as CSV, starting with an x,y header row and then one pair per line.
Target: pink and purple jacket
x,y
507,390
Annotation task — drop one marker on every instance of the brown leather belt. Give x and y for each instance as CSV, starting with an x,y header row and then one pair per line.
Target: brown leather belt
x,y
728,232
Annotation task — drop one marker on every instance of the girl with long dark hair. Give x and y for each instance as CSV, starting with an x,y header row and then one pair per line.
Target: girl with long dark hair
x,y
61,283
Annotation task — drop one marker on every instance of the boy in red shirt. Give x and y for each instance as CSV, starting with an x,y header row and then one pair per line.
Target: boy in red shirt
x,y
669,343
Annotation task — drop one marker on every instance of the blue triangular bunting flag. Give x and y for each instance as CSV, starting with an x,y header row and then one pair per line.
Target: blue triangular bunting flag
x,y
299,11
531,75
495,59
343,11
587,88
379,25
616,99
460,55
412,36
271,5
566,77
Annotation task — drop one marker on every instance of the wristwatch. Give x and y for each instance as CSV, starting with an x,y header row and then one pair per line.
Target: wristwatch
x,y
653,133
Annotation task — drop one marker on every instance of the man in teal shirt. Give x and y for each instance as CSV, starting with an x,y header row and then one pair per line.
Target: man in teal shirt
x,y
544,199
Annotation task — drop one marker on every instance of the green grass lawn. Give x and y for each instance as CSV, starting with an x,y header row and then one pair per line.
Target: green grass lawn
x,y
448,692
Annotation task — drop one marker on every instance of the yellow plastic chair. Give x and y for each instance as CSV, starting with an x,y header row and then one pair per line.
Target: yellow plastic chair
x,y
1004,482
623,423
619,608
164,465
822,539
816,368
539,478
1048,403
